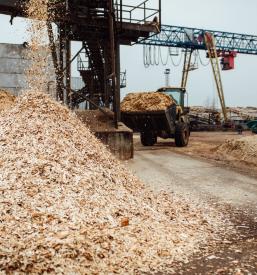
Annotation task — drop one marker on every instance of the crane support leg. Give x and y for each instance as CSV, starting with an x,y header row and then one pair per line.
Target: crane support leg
x,y
186,67
212,53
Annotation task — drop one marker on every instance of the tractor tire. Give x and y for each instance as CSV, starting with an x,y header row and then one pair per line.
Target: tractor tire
x,y
148,138
182,134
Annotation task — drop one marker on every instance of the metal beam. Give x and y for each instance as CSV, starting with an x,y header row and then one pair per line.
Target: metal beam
x,y
193,38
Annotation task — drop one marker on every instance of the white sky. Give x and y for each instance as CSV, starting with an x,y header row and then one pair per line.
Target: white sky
x,y
240,85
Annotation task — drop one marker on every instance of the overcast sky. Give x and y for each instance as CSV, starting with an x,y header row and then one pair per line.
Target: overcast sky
x,y
240,85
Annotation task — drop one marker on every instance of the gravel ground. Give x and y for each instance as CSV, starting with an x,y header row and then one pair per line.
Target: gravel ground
x,y
203,145
193,172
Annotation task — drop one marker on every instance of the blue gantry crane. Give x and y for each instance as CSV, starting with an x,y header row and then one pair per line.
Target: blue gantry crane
x,y
193,38
217,44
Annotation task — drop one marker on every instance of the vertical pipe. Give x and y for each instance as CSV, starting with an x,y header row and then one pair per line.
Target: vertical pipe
x,y
68,71
121,14
113,62
160,12
144,13
67,46
117,92
61,61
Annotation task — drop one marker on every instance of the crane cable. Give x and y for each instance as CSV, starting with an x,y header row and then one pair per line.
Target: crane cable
x,y
172,61
152,56
200,59
145,57
164,63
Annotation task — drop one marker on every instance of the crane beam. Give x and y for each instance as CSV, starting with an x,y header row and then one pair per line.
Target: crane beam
x,y
193,38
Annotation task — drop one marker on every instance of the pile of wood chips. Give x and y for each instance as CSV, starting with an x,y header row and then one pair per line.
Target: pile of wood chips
x,y
148,101
68,206
243,149
6,100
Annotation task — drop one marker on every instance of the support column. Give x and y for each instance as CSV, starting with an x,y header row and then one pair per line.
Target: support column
x,y
61,61
117,90
68,71
113,61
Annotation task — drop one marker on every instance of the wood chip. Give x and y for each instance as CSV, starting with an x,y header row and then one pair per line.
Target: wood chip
x,y
149,101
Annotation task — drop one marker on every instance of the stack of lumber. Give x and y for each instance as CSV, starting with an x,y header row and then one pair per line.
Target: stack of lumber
x,y
243,112
68,206
6,100
204,116
147,101
203,112
243,149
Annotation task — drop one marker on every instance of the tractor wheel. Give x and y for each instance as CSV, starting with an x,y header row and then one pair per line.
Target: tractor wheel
x,y
148,138
182,134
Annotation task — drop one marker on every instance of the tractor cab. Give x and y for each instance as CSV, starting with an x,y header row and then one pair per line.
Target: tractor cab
x,y
177,94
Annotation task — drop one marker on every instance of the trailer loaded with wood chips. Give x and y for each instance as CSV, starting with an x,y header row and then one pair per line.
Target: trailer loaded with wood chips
x,y
158,114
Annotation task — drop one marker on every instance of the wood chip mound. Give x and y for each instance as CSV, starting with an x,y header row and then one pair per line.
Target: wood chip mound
x,y
6,100
68,206
243,149
149,101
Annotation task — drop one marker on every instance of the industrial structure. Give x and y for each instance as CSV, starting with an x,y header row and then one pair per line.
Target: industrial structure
x,y
103,25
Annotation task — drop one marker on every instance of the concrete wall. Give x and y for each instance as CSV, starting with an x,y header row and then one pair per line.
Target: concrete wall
x,y
12,67
13,63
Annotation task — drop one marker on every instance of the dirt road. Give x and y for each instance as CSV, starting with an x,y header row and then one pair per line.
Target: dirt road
x,y
165,170
162,168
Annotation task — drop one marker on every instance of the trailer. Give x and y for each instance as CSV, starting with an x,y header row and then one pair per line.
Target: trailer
x,y
170,123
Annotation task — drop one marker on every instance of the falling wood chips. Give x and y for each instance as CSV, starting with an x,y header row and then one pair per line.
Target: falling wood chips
x,y
68,206
151,101
6,100
96,120
243,149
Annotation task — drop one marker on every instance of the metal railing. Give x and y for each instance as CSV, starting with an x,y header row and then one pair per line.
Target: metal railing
x,y
123,79
142,13
82,65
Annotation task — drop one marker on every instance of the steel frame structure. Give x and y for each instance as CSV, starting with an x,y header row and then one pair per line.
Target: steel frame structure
x,y
102,26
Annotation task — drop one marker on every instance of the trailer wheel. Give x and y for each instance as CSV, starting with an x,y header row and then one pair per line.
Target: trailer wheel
x,y
148,138
182,134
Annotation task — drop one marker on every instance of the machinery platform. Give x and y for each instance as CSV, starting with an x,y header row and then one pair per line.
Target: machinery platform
x,y
119,140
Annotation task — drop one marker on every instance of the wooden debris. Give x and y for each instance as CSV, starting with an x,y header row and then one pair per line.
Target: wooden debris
x,y
64,196
124,222
97,121
6,100
150,101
